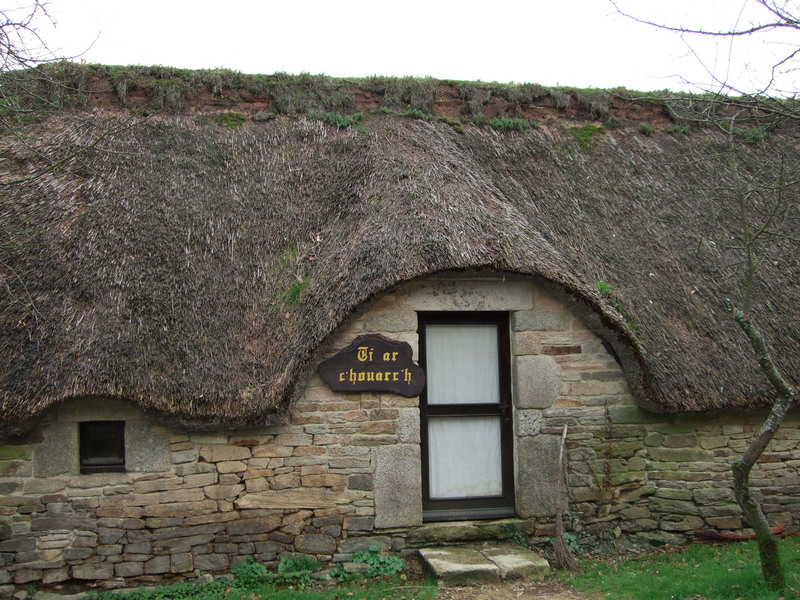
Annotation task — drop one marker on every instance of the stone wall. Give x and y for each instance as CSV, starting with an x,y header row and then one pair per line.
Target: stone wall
x,y
210,499
345,472
663,478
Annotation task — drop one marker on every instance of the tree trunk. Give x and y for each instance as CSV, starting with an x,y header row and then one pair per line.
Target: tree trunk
x,y
771,566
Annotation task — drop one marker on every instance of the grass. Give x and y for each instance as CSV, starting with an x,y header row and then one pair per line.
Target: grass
x,y
698,572
295,291
750,136
607,292
645,129
505,124
701,571
415,113
62,85
586,136
380,589
293,580
231,119
675,129
337,119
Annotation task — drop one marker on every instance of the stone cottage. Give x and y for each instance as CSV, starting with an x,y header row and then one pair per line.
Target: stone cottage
x,y
210,311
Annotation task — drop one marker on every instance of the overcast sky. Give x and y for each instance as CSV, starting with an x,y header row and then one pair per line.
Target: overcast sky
x,y
582,43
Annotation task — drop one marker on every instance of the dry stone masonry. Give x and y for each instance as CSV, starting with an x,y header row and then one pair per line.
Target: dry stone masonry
x,y
344,473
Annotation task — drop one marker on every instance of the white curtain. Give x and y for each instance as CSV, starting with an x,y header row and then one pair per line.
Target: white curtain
x,y
463,452
461,362
464,457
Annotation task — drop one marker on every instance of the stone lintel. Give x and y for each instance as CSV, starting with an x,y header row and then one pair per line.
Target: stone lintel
x,y
310,499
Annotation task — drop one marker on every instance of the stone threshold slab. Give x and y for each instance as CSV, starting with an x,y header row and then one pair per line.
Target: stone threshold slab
x,y
462,565
457,533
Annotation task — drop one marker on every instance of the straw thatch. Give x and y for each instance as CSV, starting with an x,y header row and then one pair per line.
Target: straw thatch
x,y
196,267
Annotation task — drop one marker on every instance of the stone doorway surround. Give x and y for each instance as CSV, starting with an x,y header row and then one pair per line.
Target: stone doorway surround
x,y
548,346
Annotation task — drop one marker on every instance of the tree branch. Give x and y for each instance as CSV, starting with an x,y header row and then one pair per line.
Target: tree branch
x,y
785,391
767,544
783,22
65,159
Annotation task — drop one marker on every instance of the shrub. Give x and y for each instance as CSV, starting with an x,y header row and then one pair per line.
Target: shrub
x,y
674,129
295,572
477,119
504,124
380,563
595,102
230,119
337,119
249,574
452,122
415,113
298,564
750,136
561,98
168,94
645,129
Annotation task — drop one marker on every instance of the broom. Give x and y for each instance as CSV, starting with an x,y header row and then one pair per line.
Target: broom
x,y
562,557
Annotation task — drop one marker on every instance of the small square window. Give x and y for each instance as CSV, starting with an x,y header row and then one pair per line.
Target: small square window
x,y
102,446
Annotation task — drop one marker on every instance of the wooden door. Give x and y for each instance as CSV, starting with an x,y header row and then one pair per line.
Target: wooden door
x,y
465,409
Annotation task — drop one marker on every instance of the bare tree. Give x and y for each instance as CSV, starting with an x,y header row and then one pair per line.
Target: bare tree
x,y
773,24
758,231
21,45
21,48
764,210
29,90
32,87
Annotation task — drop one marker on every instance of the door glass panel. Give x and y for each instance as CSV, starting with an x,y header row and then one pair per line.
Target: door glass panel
x,y
462,364
465,459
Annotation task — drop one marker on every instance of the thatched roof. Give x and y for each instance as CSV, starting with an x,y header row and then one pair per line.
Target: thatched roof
x,y
194,262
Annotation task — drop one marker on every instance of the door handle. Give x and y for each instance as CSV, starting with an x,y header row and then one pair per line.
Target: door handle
x,y
505,412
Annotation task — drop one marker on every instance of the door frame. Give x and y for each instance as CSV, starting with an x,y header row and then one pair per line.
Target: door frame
x,y
493,507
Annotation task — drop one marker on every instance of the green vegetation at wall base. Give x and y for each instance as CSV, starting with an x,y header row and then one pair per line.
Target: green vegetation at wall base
x,y
708,571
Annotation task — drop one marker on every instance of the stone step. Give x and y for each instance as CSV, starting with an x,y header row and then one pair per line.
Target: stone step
x,y
464,565
455,533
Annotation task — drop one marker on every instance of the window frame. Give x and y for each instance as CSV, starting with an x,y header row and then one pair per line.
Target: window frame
x,y
94,455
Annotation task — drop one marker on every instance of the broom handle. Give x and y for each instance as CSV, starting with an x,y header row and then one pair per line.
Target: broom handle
x,y
560,474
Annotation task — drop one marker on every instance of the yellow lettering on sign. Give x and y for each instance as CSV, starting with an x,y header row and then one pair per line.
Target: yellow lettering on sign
x,y
354,376
364,353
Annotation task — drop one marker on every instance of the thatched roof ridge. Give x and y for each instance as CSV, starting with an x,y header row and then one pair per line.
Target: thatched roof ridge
x,y
196,268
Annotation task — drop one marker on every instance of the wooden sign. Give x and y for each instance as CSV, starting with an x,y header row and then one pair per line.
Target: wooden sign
x,y
374,363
